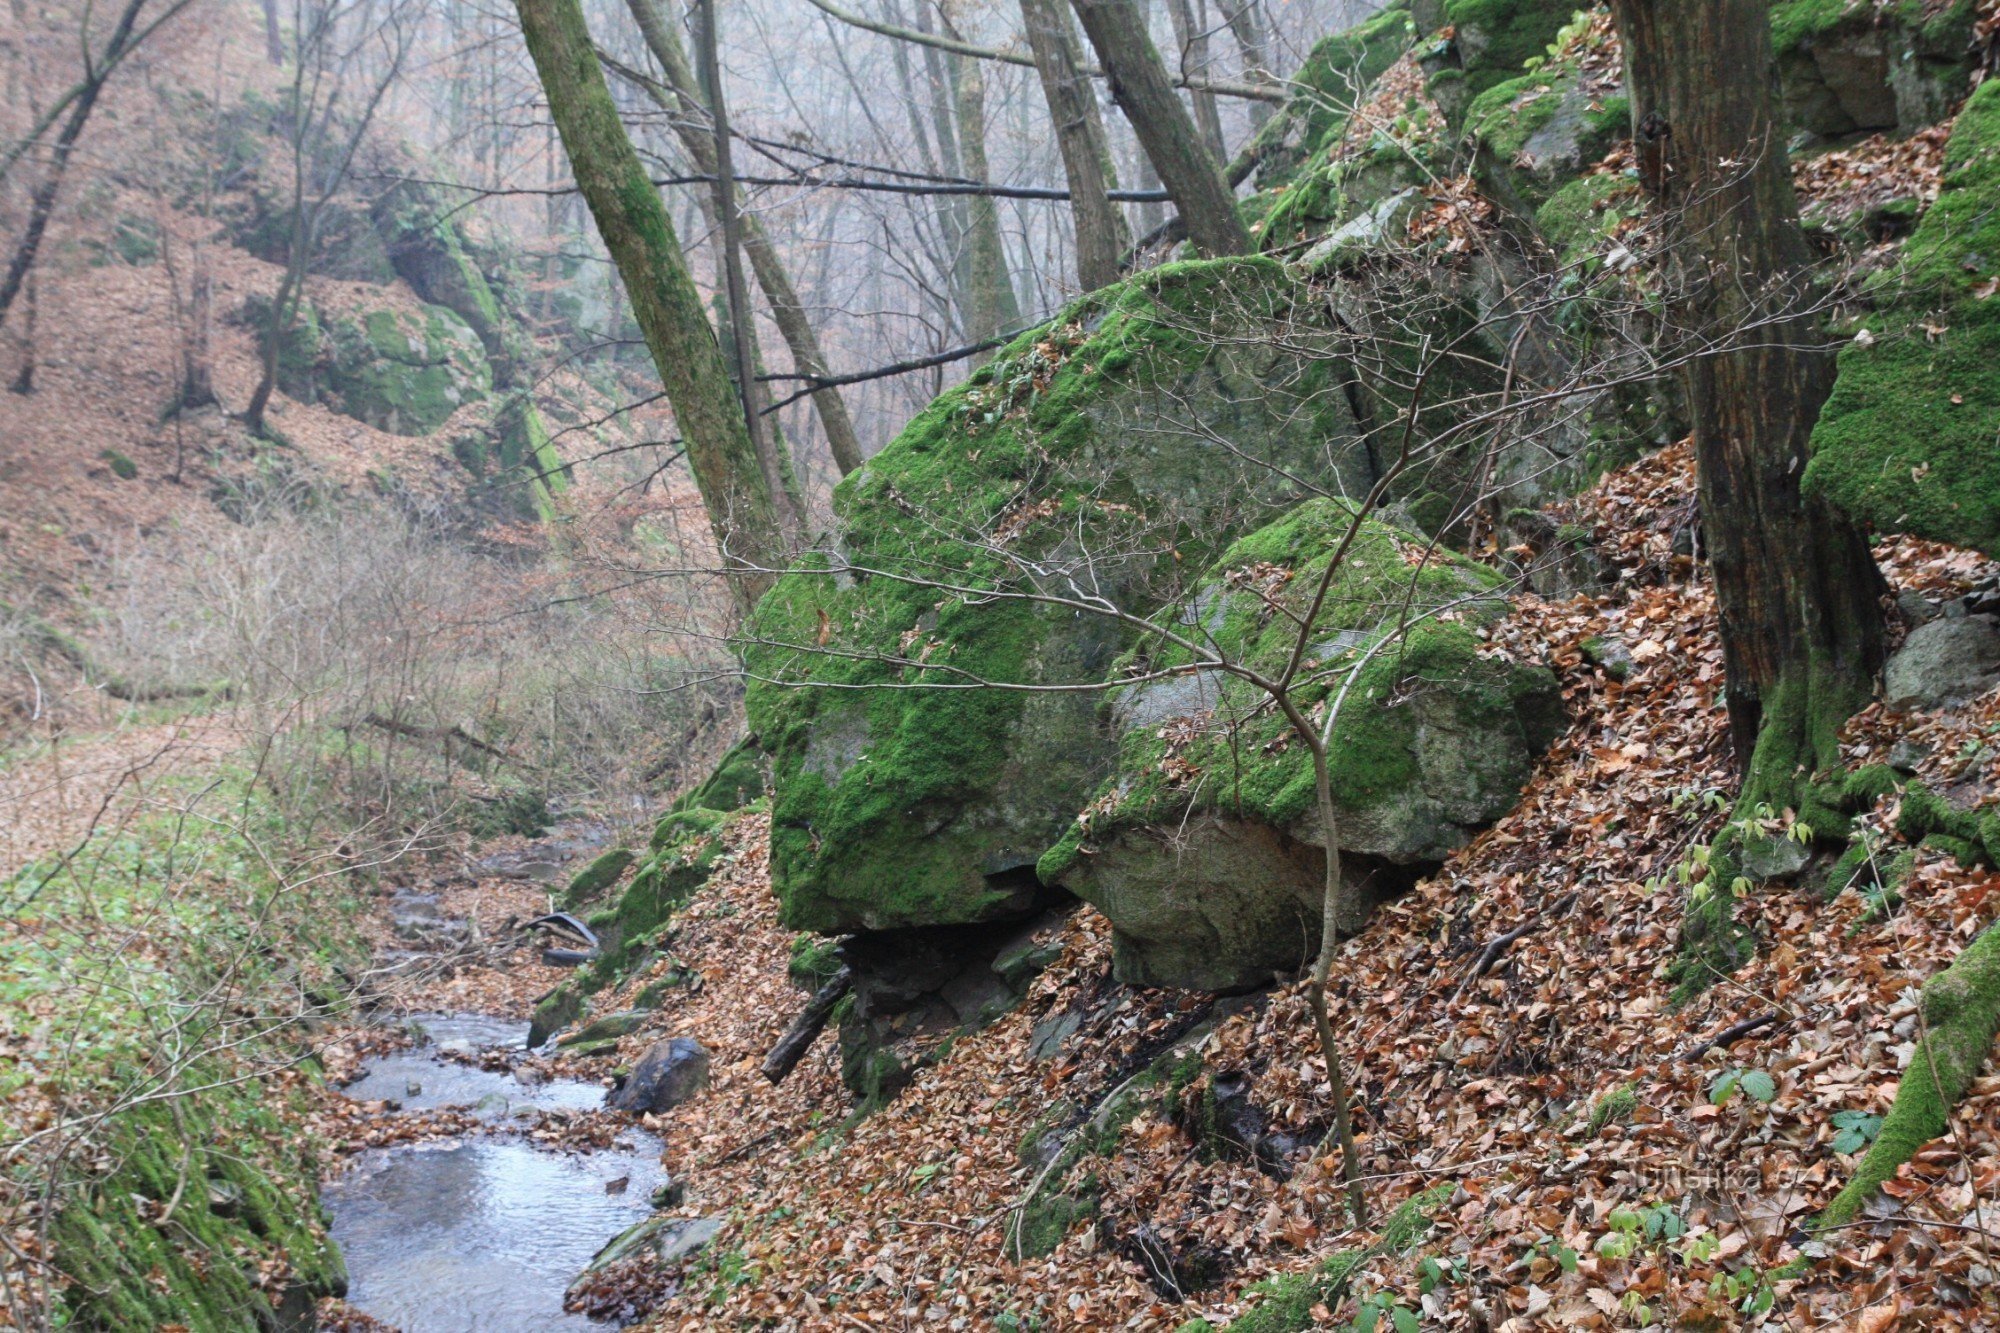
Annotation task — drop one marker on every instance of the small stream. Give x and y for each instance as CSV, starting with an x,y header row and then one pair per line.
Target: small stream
x,y
480,1234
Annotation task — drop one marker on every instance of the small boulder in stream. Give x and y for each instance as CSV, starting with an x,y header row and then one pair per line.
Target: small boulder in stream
x,y
669,1073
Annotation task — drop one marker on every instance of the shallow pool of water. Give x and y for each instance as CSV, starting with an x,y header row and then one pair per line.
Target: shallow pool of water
x,y
481,1234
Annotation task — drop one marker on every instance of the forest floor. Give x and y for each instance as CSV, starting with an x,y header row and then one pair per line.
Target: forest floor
x,y
1604,1165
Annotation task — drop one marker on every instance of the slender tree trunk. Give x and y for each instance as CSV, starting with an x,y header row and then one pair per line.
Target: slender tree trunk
x,y
42,203
1796,587
633,221
1248,27
991,307
1167,133
787,311
1101,234
274,41
742,326
31,308
1192,39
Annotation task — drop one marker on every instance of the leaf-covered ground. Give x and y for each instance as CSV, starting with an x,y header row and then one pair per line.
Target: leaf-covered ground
x,y
1611,1163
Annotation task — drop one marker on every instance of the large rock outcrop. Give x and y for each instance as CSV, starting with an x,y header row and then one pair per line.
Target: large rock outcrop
x,y
1096,460
1906,442
1206,848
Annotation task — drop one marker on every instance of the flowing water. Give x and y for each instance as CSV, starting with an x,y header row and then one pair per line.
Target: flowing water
x,y
481,1234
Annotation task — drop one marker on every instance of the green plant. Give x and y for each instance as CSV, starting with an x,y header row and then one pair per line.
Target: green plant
x,y
1857,1129
1752,1083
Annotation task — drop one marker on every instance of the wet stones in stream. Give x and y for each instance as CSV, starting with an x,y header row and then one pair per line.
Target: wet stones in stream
x,y
487,1230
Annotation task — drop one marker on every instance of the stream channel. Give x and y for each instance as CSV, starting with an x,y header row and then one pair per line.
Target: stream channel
x,y
481,1232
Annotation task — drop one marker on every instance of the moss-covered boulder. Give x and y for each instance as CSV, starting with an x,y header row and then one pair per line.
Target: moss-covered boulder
x,y
1537,132
399,370
1206,848
427,248
1093,462
1334,79
404,372
738,779
1906,442
1846,68
1490,42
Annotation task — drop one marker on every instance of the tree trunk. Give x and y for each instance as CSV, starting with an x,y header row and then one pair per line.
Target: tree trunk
x,y
991,307
1101,234
274,41
742,321
1167,133
1192,39
42,204
636,230
787,311
1248,27
1795,586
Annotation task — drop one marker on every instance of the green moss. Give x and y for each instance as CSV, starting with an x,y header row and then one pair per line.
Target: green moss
x,y
1614,1107
1285,1304
1905,443
596,877
1334,78
814,962
121,466
1961,1011
738,779
1497,38
246,1190
1257,769
871,771
684,852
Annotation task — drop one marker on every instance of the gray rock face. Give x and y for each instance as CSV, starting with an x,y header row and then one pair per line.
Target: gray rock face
x,y
1943,663
669,1073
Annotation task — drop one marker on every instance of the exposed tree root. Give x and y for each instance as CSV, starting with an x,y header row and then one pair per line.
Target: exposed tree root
x,y
1961,1014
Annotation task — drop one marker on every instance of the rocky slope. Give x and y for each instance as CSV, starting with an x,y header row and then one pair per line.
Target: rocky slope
x,y
1033,639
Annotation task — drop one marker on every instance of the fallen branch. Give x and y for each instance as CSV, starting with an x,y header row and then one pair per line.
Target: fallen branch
x,y
454,732
805,1029
1489,957
1733,1032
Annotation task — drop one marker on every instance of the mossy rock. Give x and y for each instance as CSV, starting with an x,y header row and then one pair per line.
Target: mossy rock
x,y
403,372
596,877
679,864
400,371
1334,77
1848,69
1155,419
427,249
738,779
1539,131
1905,443
1206,849
1493,41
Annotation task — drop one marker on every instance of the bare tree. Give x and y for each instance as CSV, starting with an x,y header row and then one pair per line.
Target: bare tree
x,y
1139,83
748,514
1101,234
321,139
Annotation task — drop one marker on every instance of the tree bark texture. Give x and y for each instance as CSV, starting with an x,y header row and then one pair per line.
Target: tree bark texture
x,y
1101,234
991,306
1165,130
1797,590
1191,39
787,311
637,231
